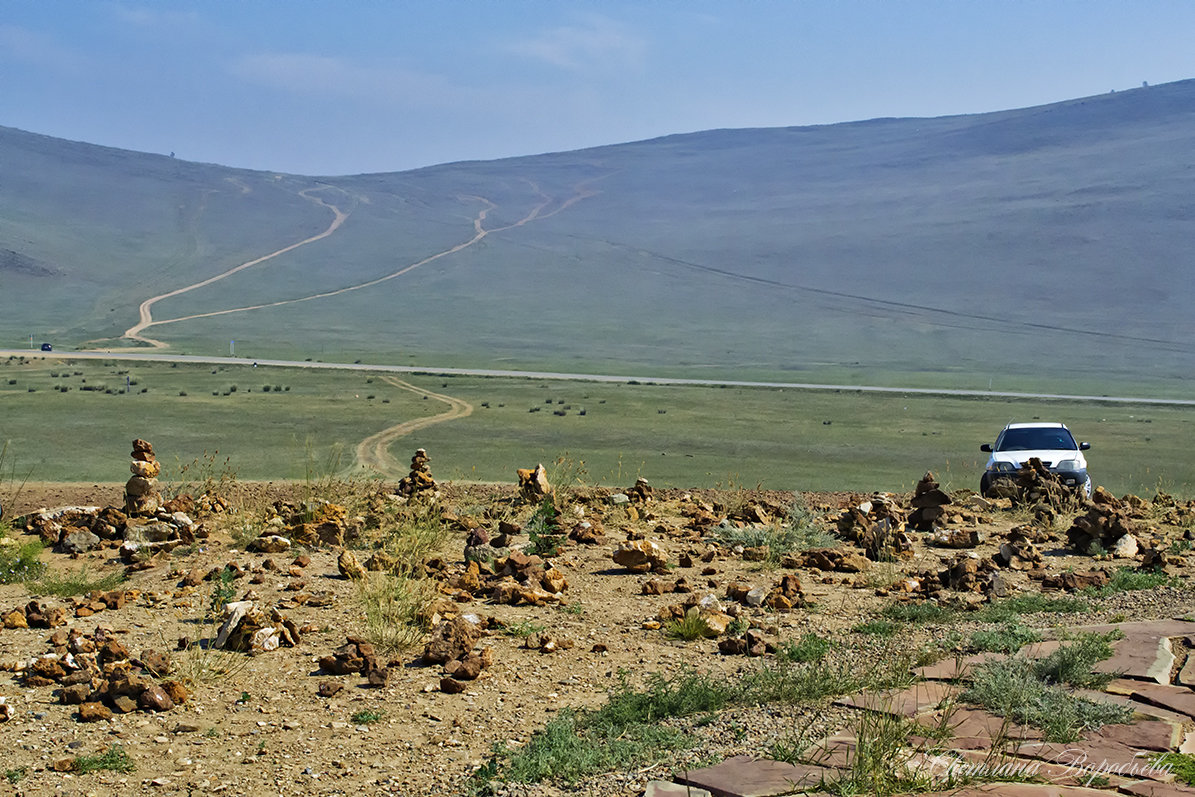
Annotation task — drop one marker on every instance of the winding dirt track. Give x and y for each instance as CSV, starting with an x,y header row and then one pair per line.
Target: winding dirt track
x,y
581,190
373,453
145,311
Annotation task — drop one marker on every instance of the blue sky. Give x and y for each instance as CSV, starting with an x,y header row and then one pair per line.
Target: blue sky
x,y
321,87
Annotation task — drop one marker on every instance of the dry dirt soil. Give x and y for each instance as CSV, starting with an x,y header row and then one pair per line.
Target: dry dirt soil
x,y
261,728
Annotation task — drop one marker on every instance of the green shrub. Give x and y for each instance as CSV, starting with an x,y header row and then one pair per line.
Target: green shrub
x,y
916,612
20,562
114,759
1008,638
883,628
1010,609
809,648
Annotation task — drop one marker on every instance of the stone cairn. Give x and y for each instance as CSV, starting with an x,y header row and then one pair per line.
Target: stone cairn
x,y
927,504
419,481
141,496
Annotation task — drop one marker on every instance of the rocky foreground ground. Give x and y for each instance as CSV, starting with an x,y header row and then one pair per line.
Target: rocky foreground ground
x,y
223,642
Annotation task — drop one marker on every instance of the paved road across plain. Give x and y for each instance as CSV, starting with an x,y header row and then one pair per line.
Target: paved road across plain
x,y
157,356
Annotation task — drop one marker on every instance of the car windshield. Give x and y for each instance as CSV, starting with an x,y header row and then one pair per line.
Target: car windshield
x,y
1036,439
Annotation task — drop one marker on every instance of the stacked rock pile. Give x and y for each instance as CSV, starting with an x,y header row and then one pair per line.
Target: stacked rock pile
x,y
419,481
928,502
141,496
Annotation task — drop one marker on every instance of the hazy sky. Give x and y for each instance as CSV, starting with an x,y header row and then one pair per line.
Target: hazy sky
x,y
321,87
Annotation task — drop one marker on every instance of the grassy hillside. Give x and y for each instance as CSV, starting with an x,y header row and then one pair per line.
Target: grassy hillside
x,y
1046,247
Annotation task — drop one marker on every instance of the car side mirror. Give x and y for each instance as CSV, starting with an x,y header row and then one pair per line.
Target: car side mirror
x,y
986,447
1084,446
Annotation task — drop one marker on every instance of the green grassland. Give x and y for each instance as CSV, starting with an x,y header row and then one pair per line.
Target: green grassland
x,y
308,423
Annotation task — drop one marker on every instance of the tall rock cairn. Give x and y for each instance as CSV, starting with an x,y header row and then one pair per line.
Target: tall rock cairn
x,y
141,496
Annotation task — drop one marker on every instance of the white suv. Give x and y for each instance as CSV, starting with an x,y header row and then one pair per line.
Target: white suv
x,y
1052,443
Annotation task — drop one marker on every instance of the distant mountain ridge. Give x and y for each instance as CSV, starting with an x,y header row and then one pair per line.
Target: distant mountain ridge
x,y
1049,243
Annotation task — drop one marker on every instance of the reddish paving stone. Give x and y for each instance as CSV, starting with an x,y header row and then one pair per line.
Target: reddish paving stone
x,y
1055,774
1141,710
1148,735
1176,627
1186,676
1024,790
1150,788
916,699
837,752
967,723
662,788
1141,655
747,776
955,669
1172,698
1097,759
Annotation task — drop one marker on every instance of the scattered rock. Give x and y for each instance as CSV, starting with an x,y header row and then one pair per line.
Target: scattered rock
x,y
349,567
641,556
533,484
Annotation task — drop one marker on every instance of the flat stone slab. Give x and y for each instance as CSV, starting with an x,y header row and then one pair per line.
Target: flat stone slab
x,y
1150,788
1039,769
1174,698
1097,758
1186,676
976,722
916,699
1161,628
1024,790
1142,655
1156,735
664,788
747,776
1124,698
837,752
955,669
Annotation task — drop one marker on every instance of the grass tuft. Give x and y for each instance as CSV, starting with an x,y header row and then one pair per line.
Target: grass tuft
x,y
78,582
1008,638
20,561
809,648
114,759
1010,609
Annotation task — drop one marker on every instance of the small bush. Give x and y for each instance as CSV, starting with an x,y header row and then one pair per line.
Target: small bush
x,y
882,628
1126,579
79,582
114,759
808,648
1009,638
916,612
367,716
691,626
1181,764
394,608
1010,609
20,562
1033,692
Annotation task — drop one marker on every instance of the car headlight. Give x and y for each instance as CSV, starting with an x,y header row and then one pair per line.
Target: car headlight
x,y
1003,467
1067,464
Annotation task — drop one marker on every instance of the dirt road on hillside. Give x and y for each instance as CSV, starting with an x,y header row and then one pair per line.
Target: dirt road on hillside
x,y
146,309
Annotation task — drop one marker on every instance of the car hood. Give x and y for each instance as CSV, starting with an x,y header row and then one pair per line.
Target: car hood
x,y
1050,457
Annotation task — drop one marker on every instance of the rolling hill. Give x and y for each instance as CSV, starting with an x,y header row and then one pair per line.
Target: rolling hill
x,y
1045,247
